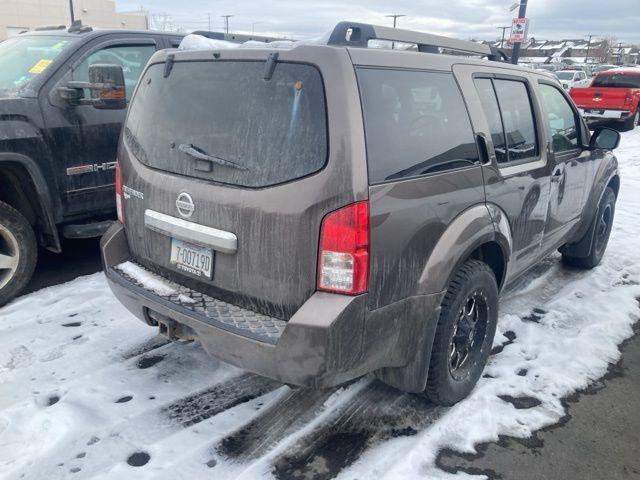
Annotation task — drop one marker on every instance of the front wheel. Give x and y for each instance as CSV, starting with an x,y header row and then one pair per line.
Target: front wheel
x,y
600,229
464,334
18,252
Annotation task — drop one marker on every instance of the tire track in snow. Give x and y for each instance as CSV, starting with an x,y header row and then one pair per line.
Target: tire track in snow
x,y
376,414
274,424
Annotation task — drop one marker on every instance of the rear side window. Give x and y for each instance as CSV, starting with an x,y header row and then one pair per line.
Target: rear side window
x,y
511,98
416,123
222,121
492,112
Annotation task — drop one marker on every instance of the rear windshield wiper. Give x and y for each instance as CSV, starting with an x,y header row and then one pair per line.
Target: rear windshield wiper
x,y
200,155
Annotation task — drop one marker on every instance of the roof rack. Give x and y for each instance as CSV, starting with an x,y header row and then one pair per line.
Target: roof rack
x,y
352,34
49,27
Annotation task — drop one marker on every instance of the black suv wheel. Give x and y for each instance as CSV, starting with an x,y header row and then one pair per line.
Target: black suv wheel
x,y
464,335
600,229
18,252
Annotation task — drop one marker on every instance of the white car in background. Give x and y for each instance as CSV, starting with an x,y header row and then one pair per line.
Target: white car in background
x,y
572,79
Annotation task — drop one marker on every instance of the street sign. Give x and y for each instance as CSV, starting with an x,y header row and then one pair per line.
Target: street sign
x,y
519,29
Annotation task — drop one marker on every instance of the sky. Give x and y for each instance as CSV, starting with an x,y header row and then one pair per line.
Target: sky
x,y
478,19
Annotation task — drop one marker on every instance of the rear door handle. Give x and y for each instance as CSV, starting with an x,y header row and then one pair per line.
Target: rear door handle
x,y
485,156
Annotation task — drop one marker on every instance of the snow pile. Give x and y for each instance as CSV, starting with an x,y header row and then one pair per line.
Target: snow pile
x,y
147,279
87,391
198,42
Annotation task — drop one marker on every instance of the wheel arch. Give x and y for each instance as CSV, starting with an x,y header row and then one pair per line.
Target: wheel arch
x,y
481,232
23,186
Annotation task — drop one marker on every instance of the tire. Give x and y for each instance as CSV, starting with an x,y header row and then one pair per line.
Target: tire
x,y
447,383
601,230
18,252
631,122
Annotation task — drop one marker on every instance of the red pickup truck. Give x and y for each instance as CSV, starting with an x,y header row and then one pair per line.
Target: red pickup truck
x,y
614,95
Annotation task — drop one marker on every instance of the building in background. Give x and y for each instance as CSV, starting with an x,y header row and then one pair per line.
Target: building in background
x,y
20,15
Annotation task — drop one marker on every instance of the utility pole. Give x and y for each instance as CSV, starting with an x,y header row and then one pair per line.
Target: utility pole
x,y
522,13
209,15
395,20
226,22
73,18
503,30
586,58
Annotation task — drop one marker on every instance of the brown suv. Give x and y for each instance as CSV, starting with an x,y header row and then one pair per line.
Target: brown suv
x,y
316,213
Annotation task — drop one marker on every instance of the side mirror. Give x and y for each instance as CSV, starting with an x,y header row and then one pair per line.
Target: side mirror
x,y
604,138
107,87
108,90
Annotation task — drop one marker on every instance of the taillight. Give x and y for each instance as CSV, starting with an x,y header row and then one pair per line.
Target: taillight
x,y
343,258
119,205
628,98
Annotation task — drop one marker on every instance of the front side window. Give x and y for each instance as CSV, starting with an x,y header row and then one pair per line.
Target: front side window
x,y
24,57
415,123
517,118
132,59
560,119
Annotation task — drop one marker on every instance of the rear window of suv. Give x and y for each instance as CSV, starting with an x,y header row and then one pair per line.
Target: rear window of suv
x,y
415,122
222,121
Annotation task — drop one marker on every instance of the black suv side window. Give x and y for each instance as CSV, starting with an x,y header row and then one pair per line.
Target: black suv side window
x,y
416,123
510,98
561,119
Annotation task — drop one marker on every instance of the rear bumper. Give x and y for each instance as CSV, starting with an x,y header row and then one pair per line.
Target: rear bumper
x,y
331,339
605,114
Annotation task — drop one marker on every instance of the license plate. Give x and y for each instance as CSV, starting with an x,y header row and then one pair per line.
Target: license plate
x,y
192,259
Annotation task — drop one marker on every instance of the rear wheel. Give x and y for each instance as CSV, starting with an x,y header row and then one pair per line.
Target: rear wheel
x,y
632,121
18,252
601,230
464,334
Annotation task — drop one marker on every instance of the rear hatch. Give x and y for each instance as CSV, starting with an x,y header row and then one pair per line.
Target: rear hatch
x,y
237,147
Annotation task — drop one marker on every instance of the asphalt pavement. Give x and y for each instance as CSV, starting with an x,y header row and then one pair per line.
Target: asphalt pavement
x,y
598,439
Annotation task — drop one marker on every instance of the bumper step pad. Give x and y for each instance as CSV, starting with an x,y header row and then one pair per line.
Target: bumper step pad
x,y
210,310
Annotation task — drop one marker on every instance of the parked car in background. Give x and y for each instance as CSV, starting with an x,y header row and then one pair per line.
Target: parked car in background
x,y
572,78
614,96
548,67
58,139
355,209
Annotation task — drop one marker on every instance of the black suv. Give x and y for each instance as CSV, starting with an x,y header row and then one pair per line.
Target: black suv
x,y
57,152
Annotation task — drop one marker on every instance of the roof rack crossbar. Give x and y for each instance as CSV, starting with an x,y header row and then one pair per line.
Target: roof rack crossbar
x,y
352,34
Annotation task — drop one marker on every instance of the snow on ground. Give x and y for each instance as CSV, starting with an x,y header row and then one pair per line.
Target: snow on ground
x,y
87,391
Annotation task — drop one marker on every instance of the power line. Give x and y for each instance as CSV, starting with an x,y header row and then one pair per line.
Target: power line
x,y
503,30
226,22
395,19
